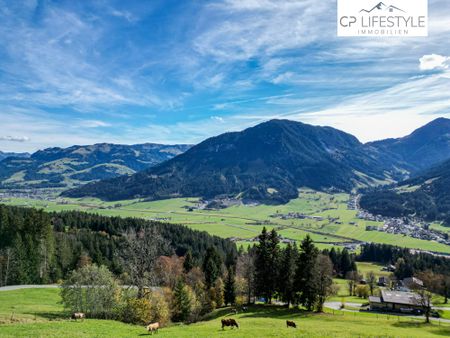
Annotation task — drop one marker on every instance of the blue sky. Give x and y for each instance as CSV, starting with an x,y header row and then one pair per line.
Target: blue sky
x,y
81,72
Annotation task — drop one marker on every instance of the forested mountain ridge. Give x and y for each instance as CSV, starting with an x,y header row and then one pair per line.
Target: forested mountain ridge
x,y
426,196
68,167
268,162
4,155
423,148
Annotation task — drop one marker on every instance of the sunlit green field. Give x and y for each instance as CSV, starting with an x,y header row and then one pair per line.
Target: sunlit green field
x,y
48,320
246,222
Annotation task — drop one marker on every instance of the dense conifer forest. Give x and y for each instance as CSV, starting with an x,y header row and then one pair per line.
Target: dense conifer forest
x,y
41,247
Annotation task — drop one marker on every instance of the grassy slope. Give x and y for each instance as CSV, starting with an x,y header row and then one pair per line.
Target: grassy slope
x,y
257,322
238,221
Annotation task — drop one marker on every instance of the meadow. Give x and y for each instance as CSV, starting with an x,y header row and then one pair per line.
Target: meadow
x,y
244,222
38,313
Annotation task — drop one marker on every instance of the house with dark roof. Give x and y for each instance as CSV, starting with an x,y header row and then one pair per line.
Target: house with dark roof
x,y
396,301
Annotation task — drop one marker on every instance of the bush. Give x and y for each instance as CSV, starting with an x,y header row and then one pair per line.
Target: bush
x,y
92,290
159,309
136,311
362,291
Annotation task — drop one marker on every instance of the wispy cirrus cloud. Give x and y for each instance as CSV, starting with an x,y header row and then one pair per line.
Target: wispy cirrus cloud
x,y
182,71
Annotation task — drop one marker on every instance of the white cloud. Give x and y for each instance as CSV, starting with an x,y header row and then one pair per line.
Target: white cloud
x,y
434,61
217,118
93,124
14,138
124,14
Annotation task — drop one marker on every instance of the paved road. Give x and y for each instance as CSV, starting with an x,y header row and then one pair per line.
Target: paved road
x,y
337,305
31,286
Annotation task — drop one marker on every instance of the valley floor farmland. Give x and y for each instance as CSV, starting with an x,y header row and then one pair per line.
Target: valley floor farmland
x,y
333,223
38,313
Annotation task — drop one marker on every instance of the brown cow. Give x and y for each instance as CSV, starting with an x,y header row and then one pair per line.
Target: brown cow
x,y
229,322
291,324
153,327
78,315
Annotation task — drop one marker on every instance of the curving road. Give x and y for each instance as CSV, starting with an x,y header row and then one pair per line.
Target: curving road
x,y
29,286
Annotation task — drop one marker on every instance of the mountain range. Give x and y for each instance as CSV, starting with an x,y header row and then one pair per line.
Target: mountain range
x,y
76,165
271,161
426,195
4,155
421,149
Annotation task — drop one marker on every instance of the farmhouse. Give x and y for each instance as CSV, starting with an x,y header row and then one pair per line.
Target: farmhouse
x,y
412,283
396,301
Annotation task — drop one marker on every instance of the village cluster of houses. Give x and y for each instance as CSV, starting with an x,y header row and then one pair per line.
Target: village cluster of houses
x,y
404,226
298,215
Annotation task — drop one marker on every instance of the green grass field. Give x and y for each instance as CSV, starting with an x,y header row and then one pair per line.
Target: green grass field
x,y
37,313
246,222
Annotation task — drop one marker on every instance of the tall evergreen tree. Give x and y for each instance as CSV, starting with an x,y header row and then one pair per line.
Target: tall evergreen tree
x,y
188,263
212,265
304,280
286,276
182,302
266,263
230,288
345,262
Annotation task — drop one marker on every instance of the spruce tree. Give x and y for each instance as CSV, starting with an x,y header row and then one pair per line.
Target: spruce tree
x,y
305,276
266,263
230,289
286,274
182,302
188,263
211,266
345,263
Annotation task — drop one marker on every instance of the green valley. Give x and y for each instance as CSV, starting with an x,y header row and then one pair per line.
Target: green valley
x,y
328,219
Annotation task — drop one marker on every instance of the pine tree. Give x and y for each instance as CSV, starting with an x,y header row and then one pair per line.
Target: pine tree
x,y
345,263
266,263
18,271
287,273
182,302
188,263
212,265
304,281
230,289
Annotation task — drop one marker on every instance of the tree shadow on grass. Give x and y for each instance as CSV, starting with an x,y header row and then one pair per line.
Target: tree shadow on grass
x,y
222,312
49,315
274,311
439,330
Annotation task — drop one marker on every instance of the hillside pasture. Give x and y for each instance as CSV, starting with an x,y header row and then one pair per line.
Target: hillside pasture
x,y
38,313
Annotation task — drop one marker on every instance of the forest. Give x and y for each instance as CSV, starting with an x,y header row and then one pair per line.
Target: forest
x,y
40,247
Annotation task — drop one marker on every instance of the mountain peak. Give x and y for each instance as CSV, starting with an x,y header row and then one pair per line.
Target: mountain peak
x,y
268,162
424,147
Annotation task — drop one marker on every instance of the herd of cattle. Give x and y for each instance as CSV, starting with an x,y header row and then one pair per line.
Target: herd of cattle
x,y
154,327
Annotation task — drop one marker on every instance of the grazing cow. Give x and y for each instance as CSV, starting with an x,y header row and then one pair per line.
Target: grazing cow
x,y
244,308
291,324
153,327
229,322
78,315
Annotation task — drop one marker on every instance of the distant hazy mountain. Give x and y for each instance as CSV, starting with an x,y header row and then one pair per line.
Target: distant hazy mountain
x,y
68,167
425,147
4,155
268,163
426,196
